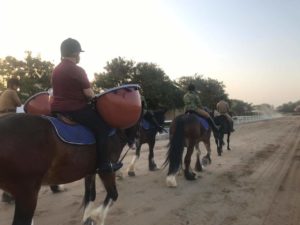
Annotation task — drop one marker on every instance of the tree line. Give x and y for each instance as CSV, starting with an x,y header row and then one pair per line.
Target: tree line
x,y
158,89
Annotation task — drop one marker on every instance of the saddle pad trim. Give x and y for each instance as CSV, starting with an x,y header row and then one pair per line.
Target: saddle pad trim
x,y
91,141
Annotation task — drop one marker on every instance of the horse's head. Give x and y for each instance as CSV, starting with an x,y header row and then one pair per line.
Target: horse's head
x,y
222,121
160,116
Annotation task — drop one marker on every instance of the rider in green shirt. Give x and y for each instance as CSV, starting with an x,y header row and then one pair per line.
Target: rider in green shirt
x,y
193,104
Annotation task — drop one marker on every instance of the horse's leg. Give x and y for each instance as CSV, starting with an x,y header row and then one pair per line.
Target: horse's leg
x,y
228,141
152,164
89,198
198,165
220,144
131,168
25,204
187,162
99,214
207,159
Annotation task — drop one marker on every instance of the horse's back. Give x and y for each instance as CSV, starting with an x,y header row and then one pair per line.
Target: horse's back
x,y
30,147
191,126
20,133
22,130
20,120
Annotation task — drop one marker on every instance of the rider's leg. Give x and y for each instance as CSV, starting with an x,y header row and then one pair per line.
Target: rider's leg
x,y
91,119
211,122
149,116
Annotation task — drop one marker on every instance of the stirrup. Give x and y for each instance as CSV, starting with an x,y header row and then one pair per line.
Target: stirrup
x,y
109,167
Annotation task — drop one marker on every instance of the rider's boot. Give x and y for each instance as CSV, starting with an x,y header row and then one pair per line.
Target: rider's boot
x,y
103,160
109,167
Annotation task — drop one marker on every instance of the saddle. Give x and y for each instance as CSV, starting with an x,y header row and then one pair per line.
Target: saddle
x,y
147,125
201,120
73,133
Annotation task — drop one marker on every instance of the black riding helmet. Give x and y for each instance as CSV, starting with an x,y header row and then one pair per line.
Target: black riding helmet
x,y
70,46
191,87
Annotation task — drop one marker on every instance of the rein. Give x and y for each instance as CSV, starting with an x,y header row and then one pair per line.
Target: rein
x,y
124,154
126,141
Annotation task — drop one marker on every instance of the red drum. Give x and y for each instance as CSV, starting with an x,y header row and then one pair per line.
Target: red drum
x,y
38,104
120,107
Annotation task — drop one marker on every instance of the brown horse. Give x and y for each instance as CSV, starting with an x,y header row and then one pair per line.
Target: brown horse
x,y
31,155
147,136
186,130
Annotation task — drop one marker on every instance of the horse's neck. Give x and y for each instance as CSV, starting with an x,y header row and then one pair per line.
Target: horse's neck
x,y
159,118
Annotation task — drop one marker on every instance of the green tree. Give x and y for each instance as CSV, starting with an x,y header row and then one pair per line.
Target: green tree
x,y
239,107
158,90
288,107
118,71
33,72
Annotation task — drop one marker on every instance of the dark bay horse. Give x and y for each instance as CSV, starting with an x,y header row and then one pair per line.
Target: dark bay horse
x,y
225,128
147,136
31,155
186,131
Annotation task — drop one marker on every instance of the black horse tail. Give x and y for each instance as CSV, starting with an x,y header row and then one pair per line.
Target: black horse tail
x,y
176,147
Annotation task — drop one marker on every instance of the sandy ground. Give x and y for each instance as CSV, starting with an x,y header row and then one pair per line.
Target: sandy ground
x,y
256,183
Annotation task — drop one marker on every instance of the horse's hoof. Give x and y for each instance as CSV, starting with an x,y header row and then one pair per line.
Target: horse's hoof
x,y
89,221
228,149
190,175
153,168
171,181
131,173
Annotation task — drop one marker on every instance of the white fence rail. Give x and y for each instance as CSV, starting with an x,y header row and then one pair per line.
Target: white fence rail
x,y
253,118
245,119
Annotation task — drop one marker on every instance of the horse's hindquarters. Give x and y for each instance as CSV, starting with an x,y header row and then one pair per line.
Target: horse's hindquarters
x,y
30,149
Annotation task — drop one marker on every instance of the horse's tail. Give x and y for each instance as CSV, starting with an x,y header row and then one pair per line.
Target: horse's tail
x,y
176,146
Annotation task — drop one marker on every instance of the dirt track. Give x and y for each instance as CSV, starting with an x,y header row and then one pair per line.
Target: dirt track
x,y
257,183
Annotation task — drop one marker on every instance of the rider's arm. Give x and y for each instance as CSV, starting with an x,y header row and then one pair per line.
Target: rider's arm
x,y
16,99
89,93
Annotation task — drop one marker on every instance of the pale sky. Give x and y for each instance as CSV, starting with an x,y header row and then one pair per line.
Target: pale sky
x,y
253,46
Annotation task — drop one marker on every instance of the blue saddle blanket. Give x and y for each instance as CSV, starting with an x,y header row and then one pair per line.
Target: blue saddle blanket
x,y
146,124
74,134
203,122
